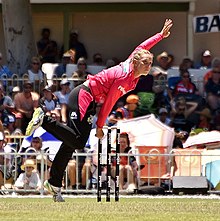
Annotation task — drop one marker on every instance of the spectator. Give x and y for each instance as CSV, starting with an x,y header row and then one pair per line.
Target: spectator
x,y
29,180
25,103
159,73
36,146
76,45
205,118
47,48
125,112
63,96
212,89
110,63
68,58
128,165
98,60
6,110
4,70
163,61
163,116
50,103
187,63
183,87
35,74
5,159
215,66
206,60
180,115
81,73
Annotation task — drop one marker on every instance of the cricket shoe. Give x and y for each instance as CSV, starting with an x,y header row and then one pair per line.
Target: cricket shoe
x,y
35,122
55,191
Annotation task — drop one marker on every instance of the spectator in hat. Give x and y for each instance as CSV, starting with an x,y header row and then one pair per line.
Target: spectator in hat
x,y
67,58
63,96
50,103
163,116
163,61
206,60
25,103
159,73
29,180
125,112
205,118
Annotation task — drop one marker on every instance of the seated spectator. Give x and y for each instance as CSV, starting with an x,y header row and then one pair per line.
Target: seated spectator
x,y
35,147
163,116
47,48
76,45
110,63
186,63
159,73
205,118
185,88
68,58
212,89
182,114
5,160
128,166
29,180
6,111
35,75
98,60
63,96
25,103
125,112
215,66
163,64
206,60
81,73
50,103
4,70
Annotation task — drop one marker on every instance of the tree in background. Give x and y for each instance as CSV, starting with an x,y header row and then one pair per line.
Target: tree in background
x,y
19,36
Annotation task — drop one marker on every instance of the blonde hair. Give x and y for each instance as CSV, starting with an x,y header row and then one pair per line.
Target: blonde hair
x,y
139,54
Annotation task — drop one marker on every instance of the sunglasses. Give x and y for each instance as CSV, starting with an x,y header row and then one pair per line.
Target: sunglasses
x,y
35,63
186,76
35,141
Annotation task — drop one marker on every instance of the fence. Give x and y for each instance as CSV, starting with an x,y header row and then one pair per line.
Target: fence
x,y
157,169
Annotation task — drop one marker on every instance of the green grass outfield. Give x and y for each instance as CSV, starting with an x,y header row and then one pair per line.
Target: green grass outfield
x,y
128,209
